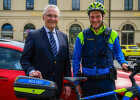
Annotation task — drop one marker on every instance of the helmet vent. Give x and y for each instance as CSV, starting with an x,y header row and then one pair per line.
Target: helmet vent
x,y
99,5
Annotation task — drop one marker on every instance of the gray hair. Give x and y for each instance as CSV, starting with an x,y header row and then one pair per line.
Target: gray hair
x,y
51,6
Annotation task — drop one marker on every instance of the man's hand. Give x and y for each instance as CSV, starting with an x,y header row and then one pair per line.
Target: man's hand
x,y
36,74
66,91
125,67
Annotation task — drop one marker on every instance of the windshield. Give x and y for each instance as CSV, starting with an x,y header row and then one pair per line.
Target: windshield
x,y
133,47
9,59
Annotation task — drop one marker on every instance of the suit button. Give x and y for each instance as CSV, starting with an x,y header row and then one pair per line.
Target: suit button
x,y
55,62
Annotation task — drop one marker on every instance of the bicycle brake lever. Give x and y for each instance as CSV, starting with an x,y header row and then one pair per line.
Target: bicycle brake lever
x,y
133,62
129,68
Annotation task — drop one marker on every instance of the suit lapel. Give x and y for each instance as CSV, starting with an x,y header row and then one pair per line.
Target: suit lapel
x,y
59,35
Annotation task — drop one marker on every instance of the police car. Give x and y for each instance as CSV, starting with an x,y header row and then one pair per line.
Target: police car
x,y
10,68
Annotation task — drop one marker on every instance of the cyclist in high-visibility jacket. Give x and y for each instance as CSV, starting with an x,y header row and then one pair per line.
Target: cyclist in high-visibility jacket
x,y
95,49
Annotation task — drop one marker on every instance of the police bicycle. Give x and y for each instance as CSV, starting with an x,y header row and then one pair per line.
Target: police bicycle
x,y
39,88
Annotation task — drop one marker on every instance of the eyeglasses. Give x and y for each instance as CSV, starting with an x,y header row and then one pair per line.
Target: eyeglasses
x,y
51,16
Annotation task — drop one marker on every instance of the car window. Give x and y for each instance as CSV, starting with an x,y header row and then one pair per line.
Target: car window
x,y
9,59
133,47
123,47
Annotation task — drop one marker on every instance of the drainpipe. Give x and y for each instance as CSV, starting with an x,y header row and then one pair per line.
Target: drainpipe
x,y
109,12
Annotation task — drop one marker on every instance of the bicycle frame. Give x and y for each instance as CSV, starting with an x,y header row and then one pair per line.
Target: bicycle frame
x,y
127,95
130,92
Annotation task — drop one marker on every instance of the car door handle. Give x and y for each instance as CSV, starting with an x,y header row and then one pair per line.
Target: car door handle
x,y
3,79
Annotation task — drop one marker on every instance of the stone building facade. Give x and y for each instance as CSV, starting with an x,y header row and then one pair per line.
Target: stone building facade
x,y
18,17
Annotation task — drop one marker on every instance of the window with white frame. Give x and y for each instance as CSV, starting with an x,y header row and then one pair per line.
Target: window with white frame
x,y
6,4
128,4
29,4
75,4
7,31
101,1
127,35
54,2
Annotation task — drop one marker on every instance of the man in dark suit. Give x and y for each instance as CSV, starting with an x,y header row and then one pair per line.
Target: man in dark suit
x,y
46,52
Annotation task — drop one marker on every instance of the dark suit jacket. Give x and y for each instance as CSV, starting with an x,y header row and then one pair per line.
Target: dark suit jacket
x,y
37,55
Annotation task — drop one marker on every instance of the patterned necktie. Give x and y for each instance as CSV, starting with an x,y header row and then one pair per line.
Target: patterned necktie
x,y
53,44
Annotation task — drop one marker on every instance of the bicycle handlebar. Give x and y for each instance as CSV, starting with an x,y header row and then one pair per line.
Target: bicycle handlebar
x,y
134,89
134,70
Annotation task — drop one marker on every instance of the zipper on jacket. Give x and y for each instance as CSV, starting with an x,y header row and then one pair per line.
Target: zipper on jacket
x,y
95,55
